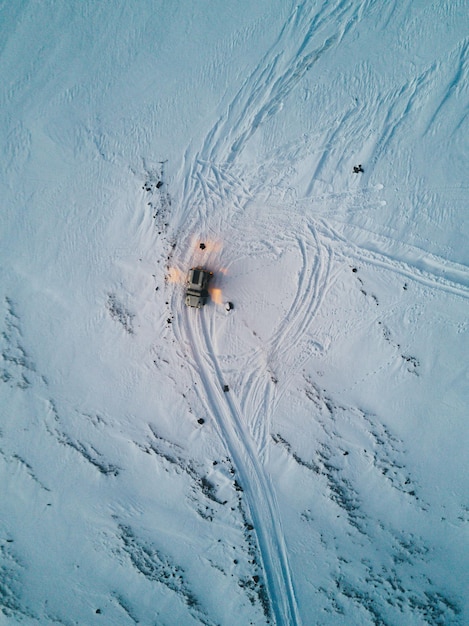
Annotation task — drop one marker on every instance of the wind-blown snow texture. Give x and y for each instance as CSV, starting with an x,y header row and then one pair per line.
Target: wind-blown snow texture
x,y
328,485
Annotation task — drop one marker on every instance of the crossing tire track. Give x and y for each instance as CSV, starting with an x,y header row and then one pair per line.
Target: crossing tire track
x,y
414,263
211,197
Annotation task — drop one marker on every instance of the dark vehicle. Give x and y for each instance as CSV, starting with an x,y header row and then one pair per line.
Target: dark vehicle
x,y
197,287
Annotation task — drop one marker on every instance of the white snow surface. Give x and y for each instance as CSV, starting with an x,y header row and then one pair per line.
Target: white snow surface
x,y
329,484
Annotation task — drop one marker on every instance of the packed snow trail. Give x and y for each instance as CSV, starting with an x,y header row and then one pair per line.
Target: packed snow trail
x,y
256,485
261,95
211,197
243,418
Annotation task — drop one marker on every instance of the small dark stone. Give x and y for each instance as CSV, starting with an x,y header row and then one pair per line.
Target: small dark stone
x,y
159,184
201,421
354,270
169,320
255,578
225,388
202,246
346,453
98,611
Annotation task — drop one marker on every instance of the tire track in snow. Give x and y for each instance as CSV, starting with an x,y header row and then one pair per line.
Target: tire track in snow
x,y
305,37
292,55
195,331
402,105
460,67
244,424
260,495
245,429
310,293
414,263
284,352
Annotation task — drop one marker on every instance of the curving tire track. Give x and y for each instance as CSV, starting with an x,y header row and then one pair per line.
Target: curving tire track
x,y
259,493
243,424
309,295
194,331
306,36
284,351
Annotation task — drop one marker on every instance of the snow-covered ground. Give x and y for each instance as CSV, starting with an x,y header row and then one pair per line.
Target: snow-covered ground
x,y
328,485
